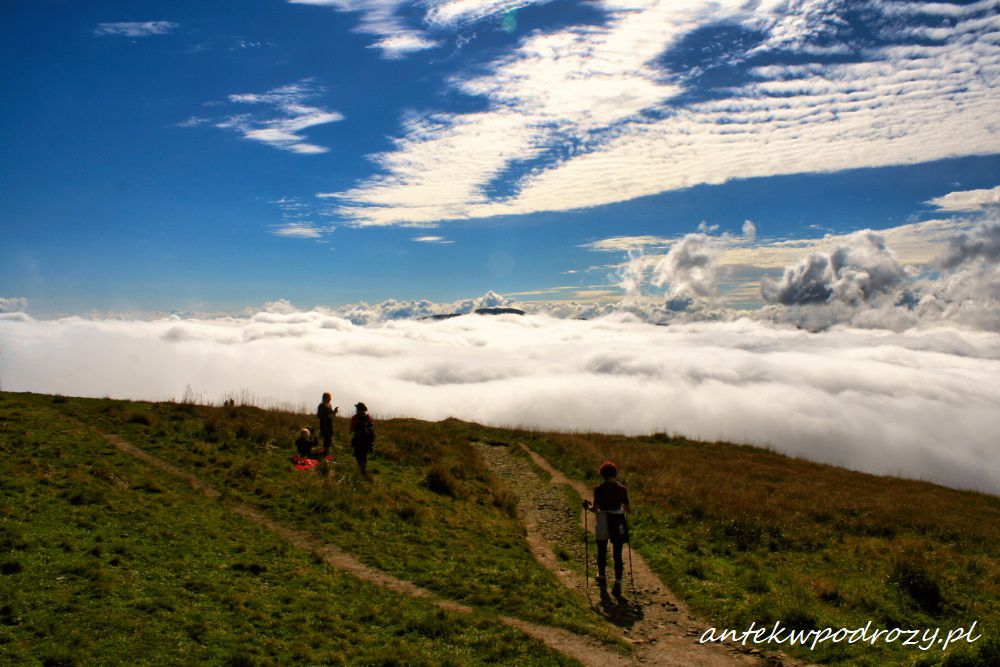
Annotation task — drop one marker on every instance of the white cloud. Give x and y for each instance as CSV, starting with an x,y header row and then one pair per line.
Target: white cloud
x,y
915,275
627,243
431,239
968,200
381,18
284,131
403,44
135,29
597,92
860,269
924,404
398,37
300,230
452,12
15,304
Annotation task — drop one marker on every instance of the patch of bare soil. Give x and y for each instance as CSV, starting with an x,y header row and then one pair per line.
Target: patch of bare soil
x,y
658,624
585,650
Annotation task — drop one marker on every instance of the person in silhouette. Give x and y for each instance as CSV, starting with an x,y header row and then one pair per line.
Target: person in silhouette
x,y
326,412
362,436
304,444
610,504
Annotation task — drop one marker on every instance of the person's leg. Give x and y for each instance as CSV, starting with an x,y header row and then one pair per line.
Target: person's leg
x,y
362,458
619,561
602,559
327,442
619,567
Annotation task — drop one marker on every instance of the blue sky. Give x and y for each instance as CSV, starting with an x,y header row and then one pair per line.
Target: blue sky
x,y
210,156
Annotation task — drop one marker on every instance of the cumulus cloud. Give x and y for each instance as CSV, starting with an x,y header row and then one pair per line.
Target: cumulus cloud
x,y
689,270
860,282
135,28
852,273
968,200
921,404
279,118
982,243
15,304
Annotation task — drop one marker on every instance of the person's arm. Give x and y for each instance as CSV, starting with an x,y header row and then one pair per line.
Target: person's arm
x,y
625,503
591,506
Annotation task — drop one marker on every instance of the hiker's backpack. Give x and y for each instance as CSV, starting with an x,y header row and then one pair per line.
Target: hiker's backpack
x,y
364,435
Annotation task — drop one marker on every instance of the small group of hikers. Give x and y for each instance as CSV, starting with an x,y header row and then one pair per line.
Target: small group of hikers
x,y
610,504
361,429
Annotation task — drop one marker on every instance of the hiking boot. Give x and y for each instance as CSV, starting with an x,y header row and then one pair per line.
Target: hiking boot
x,y
616,590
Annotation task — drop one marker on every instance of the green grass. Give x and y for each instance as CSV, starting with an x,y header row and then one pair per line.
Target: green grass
x,y
104,560
745,534
100,555
430,512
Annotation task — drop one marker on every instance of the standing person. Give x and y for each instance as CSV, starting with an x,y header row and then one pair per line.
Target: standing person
x,y
326,412
610,504
362,436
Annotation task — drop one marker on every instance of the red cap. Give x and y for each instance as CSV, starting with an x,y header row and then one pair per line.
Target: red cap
x,y
609,469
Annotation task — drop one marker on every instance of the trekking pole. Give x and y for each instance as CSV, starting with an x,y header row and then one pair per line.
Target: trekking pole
x,y
631,575
586,551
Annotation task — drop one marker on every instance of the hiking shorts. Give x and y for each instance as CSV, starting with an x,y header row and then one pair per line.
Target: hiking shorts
x,y
611,526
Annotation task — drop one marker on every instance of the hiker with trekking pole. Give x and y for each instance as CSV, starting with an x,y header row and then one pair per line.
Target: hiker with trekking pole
x,y
610,505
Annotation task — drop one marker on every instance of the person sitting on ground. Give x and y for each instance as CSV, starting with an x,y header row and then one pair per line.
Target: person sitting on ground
x,y
362,436
304,444
326,412
610,504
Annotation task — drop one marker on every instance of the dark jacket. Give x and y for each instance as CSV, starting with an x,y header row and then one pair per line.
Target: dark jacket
x,y
304,446
362,439
325,414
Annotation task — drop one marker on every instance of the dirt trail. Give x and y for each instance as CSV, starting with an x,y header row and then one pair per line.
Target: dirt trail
x,y
585,650
652,618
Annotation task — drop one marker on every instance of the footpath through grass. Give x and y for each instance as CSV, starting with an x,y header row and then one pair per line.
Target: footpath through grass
x,y
430,513
105,561
747,535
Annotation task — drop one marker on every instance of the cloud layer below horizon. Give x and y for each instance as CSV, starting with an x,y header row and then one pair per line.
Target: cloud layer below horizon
x,y
922,404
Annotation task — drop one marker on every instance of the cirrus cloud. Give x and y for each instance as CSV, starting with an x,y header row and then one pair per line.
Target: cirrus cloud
x,y
589,115
135,28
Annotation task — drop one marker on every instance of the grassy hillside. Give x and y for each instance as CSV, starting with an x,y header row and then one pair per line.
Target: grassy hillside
x,y
103,559
106,560
747,535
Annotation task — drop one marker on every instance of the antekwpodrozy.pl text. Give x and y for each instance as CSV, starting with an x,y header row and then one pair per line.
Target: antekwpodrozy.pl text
x,y
923,639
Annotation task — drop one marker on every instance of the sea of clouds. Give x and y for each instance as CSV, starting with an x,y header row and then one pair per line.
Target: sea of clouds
x,y
923,403
857,360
